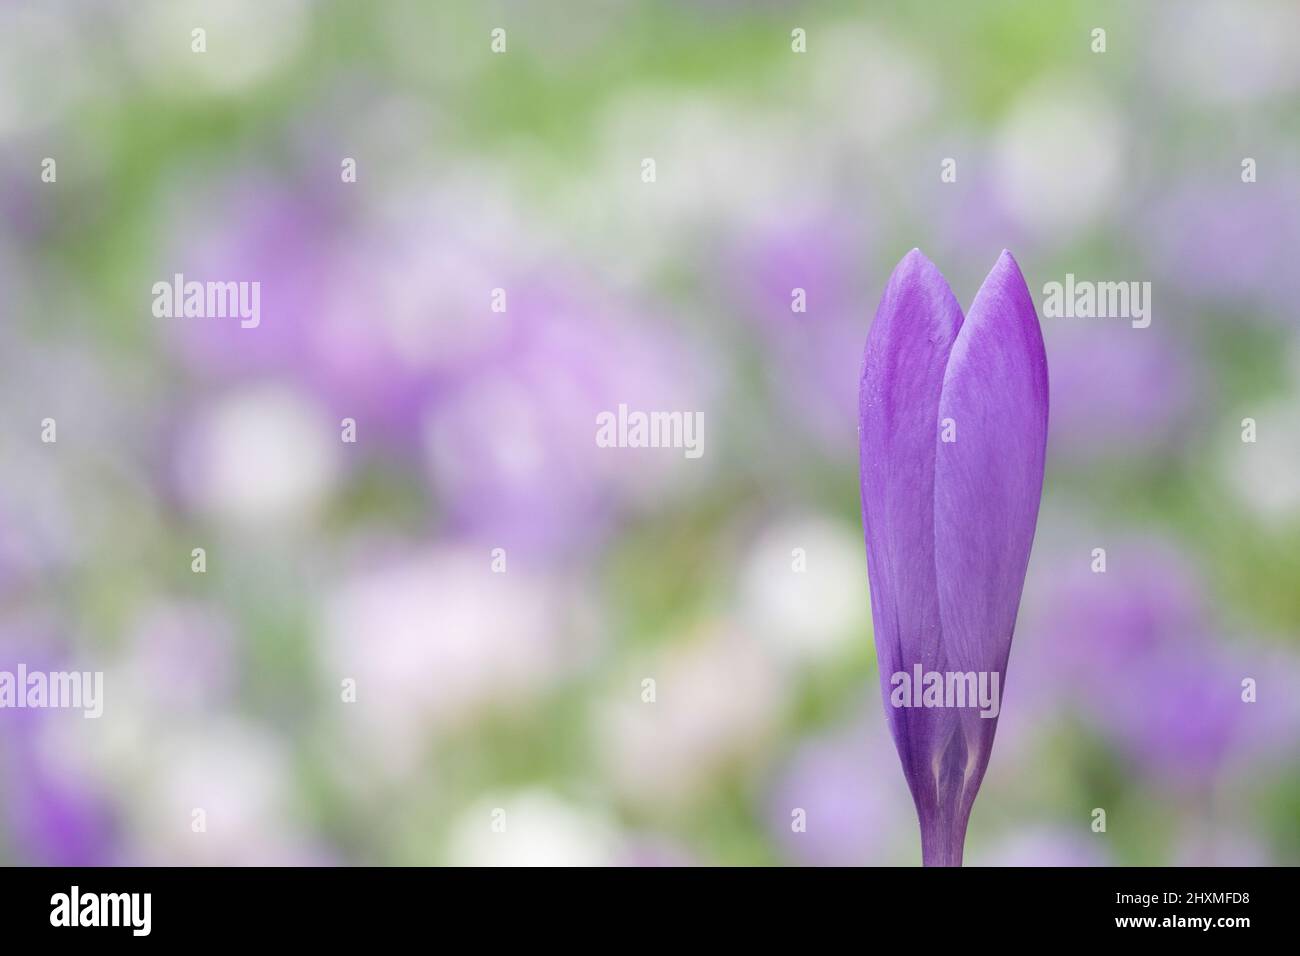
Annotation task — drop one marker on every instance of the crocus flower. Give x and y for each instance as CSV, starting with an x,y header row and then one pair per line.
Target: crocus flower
x,y
953,432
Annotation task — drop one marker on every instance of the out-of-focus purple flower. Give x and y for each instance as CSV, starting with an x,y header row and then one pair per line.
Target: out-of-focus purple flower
x,y
814,352
1197,231
651,851
439,341
953,432
1177,712
966,215
52,813
255,231
52,818
835,804
510,441
815,253
1199,846
1046,846
1119,391
370,315
1132,650
1148,597
53,821
1181,712
410,310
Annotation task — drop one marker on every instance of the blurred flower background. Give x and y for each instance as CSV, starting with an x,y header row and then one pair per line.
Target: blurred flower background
x,y
735,582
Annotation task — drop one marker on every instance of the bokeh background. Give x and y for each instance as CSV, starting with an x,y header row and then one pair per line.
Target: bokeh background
x,y
522,691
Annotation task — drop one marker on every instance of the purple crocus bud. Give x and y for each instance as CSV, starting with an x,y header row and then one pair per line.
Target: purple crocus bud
x,y
952,430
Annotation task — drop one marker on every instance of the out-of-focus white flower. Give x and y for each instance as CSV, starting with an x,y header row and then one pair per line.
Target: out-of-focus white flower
x,y
236,774
710,154
1263,473
43,64
802,588
1058,156
716,701
436,638
246,41
531,828
264,457
1214,53
232,773
181,657
715,161
867,84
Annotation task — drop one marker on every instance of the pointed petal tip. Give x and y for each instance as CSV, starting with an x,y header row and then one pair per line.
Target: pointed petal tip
x,y
914,259
916,287
1006,261
917,266
1006,278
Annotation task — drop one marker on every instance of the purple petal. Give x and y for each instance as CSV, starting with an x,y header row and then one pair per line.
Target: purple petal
x,y
988,481
953,430
898,405
902,379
